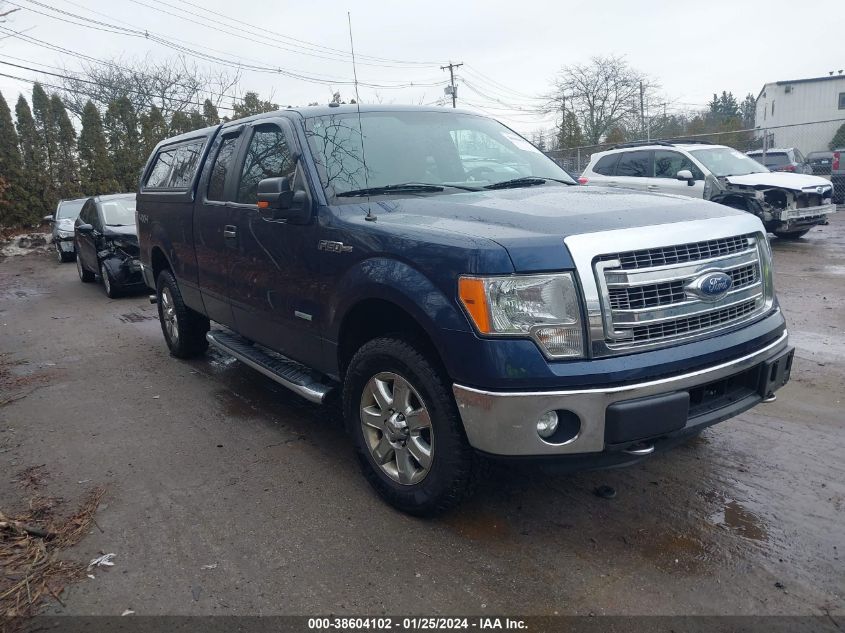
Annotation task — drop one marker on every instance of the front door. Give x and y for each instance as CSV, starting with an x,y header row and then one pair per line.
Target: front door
x,y
667,164
272,270
86,243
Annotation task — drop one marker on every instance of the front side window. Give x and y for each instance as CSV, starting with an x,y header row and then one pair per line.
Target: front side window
x,y
267,156
455,151
175,168
221,168
634,164
667,165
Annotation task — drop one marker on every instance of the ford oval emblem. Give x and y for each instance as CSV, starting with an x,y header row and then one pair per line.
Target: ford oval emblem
x,y
710,286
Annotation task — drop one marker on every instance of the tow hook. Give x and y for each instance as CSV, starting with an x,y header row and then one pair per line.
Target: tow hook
x,y
153,299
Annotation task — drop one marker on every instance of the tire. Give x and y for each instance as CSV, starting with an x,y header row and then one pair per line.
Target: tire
x,y
184,329
62,257
85,276
450,470
792,235
111,288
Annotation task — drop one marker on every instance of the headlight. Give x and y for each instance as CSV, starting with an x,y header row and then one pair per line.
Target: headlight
x,y
65,234
543,307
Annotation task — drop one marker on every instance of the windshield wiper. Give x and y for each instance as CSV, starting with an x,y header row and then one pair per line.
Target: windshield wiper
x,y
408,187
524,181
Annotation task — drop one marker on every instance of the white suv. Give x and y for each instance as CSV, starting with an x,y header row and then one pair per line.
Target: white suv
x,y
788,204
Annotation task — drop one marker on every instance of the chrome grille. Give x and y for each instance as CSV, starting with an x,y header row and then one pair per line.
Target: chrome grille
x,y
649,296
668,255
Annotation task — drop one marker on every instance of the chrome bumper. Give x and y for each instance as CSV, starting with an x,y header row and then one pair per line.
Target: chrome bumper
x,y
504,423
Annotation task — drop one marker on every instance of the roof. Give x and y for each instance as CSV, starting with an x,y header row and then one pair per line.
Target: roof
x,y
659,145
785,82
772,150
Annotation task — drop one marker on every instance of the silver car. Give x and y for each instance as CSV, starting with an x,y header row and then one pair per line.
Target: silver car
x,y
66,213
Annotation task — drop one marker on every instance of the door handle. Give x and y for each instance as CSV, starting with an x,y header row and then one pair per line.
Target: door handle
x,y
230,231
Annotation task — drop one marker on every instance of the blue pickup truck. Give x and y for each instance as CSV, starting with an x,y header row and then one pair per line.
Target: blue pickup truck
x,y
459,294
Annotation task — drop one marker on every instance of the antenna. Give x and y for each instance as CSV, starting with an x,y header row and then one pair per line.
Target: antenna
x,y
369,217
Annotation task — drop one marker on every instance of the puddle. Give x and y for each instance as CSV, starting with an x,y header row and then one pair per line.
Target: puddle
x,y
737,519
233,405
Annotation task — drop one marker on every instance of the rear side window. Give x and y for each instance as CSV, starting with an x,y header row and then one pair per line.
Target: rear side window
x,y
607,165
174,168
636,164
268,156
220,169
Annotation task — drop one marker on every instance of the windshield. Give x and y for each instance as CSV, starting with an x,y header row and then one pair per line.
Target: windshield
x,y
724,161
445,149
69,210
119,212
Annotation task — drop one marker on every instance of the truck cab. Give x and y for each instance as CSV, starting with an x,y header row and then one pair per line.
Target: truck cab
x,y
457,292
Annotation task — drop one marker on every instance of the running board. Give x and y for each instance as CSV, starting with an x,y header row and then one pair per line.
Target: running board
x,y
288,373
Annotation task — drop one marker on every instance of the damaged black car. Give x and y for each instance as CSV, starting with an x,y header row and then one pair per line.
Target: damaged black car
x,y
106,243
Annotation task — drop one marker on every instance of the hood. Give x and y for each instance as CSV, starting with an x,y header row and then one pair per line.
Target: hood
x,y
128,232
64,224
531,223
782,179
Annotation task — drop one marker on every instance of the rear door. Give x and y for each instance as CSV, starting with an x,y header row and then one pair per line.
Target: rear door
x,y
603,172
634,169
667,164
214,218
273,271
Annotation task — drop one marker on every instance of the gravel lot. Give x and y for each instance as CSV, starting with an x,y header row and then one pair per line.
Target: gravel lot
x,y
209,463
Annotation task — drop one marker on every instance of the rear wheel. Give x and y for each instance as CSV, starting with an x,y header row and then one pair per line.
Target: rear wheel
x,y
791,235
184,329
85,276
408,435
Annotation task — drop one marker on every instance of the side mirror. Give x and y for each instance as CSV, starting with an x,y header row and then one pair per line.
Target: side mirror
x,y
47,219
277,201
85,229
686,174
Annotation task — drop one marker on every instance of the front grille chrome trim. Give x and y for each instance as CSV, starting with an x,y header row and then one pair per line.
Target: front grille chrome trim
x,y
648,310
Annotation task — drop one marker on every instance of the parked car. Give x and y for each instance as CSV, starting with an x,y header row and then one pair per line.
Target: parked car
x,y
782,159
788,204
837,175
820,163
460,312
63,220
106,243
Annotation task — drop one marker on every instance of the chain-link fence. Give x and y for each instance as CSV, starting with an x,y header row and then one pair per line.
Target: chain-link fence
x,y
802,147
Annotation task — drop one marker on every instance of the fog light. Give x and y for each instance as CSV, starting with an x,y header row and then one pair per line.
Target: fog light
x,y
547,424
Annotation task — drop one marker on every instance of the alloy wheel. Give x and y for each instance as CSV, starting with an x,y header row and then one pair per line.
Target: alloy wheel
x,y
168,315
397,428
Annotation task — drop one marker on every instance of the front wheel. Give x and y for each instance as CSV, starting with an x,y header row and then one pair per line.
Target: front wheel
x,y
112,289
408,435
184,329
791,235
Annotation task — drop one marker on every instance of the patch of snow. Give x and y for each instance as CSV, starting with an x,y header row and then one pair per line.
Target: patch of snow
x,y
25,243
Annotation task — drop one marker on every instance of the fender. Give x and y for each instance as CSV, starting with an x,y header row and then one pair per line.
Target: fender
x,y
401,284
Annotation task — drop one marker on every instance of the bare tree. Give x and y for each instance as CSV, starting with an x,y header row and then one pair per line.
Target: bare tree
x,y
173,85
603,94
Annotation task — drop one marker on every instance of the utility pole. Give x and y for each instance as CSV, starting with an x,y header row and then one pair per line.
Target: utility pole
x,y
453,89
642,112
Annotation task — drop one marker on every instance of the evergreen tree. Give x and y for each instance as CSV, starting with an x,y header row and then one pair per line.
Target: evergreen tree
x,y
749,111
96,171
37,183
44,124
153,130
12,198
197,120
67,165
252,104
838,141
569,132
209,113
121,128
180,123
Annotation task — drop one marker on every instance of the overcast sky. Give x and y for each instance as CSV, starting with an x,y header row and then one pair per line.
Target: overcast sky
x,y
511,51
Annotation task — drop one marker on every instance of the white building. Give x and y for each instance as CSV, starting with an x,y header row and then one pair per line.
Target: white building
x,y
812,108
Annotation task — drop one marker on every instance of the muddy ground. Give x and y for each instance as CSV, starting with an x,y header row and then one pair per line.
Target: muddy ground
x,y
229,495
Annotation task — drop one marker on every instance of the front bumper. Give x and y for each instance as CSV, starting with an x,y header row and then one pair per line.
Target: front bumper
x,y
64,244
619,417
125,272
804,217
